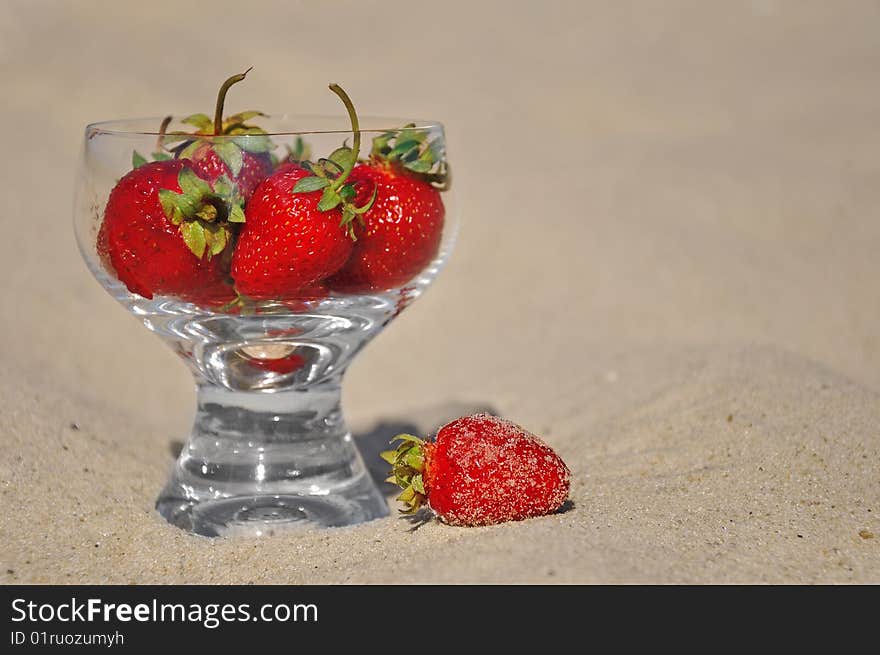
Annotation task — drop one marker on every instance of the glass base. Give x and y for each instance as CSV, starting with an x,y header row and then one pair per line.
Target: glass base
x,y
259,463
269,449
256,516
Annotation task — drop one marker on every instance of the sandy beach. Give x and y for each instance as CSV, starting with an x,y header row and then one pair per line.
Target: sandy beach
x,y
667,267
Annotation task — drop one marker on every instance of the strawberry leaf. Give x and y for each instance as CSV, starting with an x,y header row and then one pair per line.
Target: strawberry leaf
x,y
192,185
403,149
242,116
168,200
329,199
207,212
307,184
200,121
366,206
215,238
176,205
224,187
194,236
413,149
330,167
408,134
161,156
137,160
411,438
236,214
418,166
414,459
209,237
177,216
220,241
344,157
316,168
230,153
380,143
347,192
175,137
189,149
300,150
347,222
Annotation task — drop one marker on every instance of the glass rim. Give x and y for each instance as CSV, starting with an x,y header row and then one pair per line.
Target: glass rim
x,y
114,126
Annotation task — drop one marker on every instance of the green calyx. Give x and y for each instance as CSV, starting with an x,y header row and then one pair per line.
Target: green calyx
x,y
242,137
204,213
138,160
330,175
407,467
299,152
411,149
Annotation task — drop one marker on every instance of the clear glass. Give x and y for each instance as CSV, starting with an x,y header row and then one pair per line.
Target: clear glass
x,y
269,448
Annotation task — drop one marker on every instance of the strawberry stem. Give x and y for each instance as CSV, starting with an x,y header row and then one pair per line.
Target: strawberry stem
x,y
355,128
163,127
221,99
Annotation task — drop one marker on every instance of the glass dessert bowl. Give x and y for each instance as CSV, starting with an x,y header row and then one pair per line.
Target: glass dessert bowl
x,y
266,258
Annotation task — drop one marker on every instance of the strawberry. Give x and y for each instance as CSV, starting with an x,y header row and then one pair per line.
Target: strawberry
x,y
287,243
400,234
299,228
480,470
243,158
165,231
254,167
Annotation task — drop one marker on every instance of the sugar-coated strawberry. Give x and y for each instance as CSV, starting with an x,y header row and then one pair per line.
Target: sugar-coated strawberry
x,y
287,244
480,470
152,247
299,228
400,233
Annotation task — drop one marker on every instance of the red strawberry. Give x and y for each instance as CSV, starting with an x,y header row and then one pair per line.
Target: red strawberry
x,y
400,234
242,158
287,243
401,231
480,470
255,167
153,246
299,227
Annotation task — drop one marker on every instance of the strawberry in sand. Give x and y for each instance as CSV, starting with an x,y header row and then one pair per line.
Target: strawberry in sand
x,y
480,470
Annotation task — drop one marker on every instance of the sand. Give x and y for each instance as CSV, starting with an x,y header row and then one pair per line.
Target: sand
x,y
667,267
